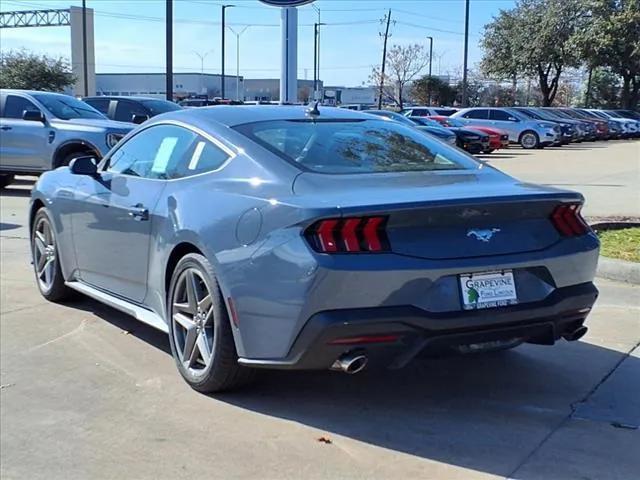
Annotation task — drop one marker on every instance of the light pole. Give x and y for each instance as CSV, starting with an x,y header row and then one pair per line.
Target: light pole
x,y
316,57
466,53
430,63
316,53
237,34
224,7
202,56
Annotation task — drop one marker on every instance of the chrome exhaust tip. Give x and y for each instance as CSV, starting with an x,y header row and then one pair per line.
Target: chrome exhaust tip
x,y
577,334
350,363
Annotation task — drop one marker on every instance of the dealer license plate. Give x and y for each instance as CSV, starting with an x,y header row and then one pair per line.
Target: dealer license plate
x,y
488,290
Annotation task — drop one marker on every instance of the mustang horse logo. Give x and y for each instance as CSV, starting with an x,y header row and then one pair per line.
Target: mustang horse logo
x,y
483,235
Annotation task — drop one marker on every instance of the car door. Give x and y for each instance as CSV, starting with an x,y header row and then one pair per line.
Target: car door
x,y
113,214
23,143
507,121
127,109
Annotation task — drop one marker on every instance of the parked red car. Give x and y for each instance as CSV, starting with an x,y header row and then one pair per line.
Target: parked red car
x,y
497,138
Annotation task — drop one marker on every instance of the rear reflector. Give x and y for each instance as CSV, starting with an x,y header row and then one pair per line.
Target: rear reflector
x,y
349,235
364,339
568,220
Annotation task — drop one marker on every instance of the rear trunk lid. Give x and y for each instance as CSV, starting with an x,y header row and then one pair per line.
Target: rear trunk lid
x,y
445,215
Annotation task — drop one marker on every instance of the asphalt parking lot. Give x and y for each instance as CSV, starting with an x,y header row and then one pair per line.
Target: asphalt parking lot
x,y
88,392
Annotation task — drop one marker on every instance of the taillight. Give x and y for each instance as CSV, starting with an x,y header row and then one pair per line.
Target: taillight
x,y
349,235
568,221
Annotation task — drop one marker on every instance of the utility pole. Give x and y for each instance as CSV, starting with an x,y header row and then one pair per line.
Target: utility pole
x,y
466,53
224,7
202,56
430,62
169,49
384,59
85,65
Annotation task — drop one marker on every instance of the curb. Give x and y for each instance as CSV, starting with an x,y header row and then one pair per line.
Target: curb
x,y
618,270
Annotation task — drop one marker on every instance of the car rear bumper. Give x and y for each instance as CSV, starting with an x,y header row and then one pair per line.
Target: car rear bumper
x,y
407,331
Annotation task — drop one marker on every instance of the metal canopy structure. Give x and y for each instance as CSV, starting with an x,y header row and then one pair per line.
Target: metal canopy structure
x,y
36,18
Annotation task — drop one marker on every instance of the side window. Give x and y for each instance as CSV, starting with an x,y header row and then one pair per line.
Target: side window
x,y
15,106
480,114
203,156
153,153
501,115
125,110
100,104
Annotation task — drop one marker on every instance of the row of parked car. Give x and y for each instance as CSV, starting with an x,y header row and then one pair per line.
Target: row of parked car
x,y
40,131
530,127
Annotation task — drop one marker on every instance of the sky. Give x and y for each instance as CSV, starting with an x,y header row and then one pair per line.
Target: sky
x,y
129,35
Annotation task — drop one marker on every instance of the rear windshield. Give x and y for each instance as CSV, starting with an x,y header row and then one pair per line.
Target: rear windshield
x,y
360,146
159,106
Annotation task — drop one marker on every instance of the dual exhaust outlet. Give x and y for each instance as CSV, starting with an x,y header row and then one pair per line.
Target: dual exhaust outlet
x,y
354,362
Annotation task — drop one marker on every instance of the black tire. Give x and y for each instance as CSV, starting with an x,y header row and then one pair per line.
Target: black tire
x,y
529,140
6,179
57,291
223,372
487,152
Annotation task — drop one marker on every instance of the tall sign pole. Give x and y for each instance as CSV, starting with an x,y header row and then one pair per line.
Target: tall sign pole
x,y
85,63
222,79
289,42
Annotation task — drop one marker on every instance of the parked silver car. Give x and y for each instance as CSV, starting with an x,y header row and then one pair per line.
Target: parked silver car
x,y
40,131
528,132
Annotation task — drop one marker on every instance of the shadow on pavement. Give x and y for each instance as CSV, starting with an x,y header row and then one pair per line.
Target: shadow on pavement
x,y
484,412
9,226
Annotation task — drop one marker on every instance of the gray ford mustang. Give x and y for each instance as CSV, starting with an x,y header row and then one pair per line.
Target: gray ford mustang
x,y
286,237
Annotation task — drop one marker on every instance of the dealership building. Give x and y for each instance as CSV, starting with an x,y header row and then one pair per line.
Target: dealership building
x,y
154,85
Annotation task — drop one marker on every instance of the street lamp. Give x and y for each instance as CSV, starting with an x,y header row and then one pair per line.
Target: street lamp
x,y
430,63
224,7
237,34
316,53
316,57
202,56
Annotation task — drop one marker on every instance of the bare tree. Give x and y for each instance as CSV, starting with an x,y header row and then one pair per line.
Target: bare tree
x,y
403,64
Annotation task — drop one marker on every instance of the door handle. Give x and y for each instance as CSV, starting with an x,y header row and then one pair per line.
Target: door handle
x,y
5,127
139,212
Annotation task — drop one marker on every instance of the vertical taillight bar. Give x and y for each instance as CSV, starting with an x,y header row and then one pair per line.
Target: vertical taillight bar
x,y
349,235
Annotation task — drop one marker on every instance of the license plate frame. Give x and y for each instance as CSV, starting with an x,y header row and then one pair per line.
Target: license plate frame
x,y
491,289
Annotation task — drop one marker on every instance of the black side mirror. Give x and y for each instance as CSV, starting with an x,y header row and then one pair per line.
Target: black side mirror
x,y
33,116
84,166
138,119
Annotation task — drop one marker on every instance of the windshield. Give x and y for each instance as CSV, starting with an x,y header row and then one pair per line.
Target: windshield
x,y
529,113
65,107
427,122
158,106
393,116
451,122
355,146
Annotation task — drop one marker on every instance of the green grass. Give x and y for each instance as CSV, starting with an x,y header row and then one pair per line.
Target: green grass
x,y
622,244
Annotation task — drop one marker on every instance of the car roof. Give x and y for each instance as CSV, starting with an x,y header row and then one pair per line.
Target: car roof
x,y
232,115
124,97
32,92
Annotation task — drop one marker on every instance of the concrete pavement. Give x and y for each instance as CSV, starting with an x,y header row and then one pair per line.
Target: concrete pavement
x,y
88,392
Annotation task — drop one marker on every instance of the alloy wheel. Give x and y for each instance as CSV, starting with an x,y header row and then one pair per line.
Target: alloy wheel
x,y
44,254
192,321
529,140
